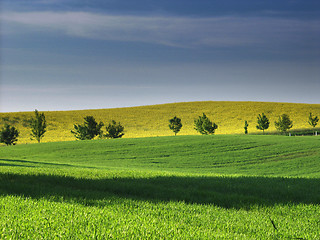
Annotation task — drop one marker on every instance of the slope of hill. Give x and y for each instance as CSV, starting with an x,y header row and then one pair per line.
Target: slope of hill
x,y
146,121
183,187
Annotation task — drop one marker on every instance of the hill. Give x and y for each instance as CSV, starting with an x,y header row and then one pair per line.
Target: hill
x,y
220,154
146,121
184,187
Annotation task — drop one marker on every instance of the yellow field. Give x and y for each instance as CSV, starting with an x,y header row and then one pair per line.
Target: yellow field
x,y
152,120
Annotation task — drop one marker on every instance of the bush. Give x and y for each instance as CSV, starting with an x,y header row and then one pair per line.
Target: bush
x,y
114,130
204,126
246,125
9,135
89,130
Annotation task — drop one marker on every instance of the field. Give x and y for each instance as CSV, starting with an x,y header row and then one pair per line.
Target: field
x,y
183,187
150,121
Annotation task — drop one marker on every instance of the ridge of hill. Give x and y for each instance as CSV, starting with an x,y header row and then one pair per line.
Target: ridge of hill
x,y
152,120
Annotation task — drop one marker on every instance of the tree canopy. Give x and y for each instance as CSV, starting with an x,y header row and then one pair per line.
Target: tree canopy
x,y
9,135
175,124
38,125
284,123
89,130
246,125
204,126
313,120
114,130
263,122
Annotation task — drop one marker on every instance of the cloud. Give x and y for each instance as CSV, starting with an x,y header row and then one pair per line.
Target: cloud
x,y
226,31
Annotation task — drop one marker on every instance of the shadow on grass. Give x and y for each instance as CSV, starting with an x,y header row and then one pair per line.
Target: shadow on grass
x,y
227,192
32,164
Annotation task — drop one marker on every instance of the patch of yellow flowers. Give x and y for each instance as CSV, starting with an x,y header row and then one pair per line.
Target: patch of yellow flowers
x,y
149,121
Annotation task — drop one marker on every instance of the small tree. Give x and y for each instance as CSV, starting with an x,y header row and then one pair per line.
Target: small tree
x,y
175,124
263,122
88,130
204,126
38,125
313,121
284,123
246,127
114,130
9,135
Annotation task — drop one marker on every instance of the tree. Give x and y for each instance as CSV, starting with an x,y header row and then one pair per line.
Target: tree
x,y
263,122
246,127
9,135
38,125
175,124
114,130
284,123
313,121
89,130
204,126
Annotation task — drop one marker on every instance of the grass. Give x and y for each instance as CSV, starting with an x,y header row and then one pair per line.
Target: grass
x,y
184,187
149,121
220,154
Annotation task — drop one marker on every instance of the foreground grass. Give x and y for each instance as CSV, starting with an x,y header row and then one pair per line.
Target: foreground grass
x,y
149,121
133,219
187,187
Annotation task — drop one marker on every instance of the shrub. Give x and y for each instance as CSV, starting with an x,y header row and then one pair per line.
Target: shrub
x,y
204,126
114,130
246,127
89,130
9,135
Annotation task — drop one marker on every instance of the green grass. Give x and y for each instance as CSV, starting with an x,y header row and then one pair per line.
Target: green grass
x,y
184,187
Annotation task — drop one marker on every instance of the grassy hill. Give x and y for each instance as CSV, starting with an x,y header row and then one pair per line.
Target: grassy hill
x,y
146,121
183,187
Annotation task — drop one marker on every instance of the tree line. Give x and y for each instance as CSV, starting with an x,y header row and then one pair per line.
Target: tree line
x,y
205,126
91,128
86,131
283,124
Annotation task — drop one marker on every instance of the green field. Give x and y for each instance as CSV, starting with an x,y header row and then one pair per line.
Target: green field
x,y
184,187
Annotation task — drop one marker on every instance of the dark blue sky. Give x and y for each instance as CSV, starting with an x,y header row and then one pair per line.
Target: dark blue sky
x,y
203,8
79,54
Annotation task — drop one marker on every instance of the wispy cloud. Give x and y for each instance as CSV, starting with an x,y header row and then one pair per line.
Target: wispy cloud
x,y
168,30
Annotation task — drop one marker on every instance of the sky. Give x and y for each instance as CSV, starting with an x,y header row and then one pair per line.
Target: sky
x,y
90,54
